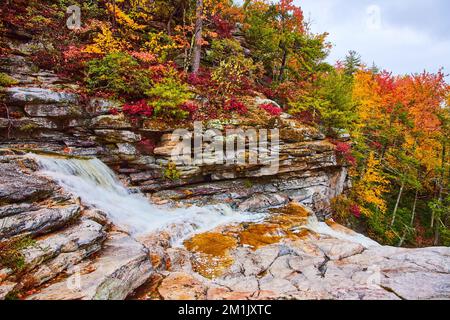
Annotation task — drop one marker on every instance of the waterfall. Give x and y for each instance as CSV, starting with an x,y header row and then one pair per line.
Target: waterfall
x,y
97,186
323,228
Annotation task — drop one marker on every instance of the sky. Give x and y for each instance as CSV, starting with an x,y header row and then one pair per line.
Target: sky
x,y
403,36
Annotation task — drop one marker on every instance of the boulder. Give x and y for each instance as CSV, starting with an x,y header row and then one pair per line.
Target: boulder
x,y
18,186
23,96
37,222
81,235
122,266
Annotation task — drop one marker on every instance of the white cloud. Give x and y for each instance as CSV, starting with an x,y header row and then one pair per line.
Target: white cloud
x,y
383,32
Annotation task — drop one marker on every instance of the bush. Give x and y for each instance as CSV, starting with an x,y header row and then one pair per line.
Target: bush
x,y
118,74
171,172
168,96
234,105
6,81
138,109
234,73
272,109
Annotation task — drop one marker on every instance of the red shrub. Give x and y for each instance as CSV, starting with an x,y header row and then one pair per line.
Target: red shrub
x,y
344,150
190,107
138,109
114,111
73,61
355,210
223,27
201,78
235,106
272,109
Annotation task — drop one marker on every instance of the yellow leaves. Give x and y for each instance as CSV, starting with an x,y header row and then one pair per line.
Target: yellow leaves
x,y
122,18
161,44
105,42
371,186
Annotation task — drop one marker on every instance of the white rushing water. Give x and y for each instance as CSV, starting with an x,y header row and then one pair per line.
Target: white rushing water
x,y
324,229
97,186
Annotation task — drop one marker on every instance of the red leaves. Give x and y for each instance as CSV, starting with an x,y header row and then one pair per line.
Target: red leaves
x,y
140,108
201,78
223,27
190,107
355,210
234,105
344,150
292,15
272,109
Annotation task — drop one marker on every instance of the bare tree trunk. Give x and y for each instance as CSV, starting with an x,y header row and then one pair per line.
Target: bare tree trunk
x,y
283,65
398,203
114,15
197,52
414,208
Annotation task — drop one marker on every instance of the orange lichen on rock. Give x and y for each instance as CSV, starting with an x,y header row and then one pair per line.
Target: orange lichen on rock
x,y
212,249
215,244
259,235
212,253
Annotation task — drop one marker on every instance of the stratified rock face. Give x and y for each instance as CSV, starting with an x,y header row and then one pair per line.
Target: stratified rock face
x,y
75,254
122,266
37,222
48,116
36,96
17,186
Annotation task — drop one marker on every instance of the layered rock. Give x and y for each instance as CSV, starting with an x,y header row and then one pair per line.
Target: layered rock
x,y
48,239
44,112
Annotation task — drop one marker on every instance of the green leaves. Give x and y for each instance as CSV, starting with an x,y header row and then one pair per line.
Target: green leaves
x,y
167,96
118,74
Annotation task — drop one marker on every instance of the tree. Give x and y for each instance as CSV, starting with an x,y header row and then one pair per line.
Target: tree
x,y
352,63
197,50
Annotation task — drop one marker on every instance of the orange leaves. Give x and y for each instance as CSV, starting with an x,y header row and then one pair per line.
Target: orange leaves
x,y
372,185
291,15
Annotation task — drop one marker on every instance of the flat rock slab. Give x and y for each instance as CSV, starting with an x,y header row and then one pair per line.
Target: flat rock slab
x,y
122,267
37,222
22,95
6,288
81,235
18,186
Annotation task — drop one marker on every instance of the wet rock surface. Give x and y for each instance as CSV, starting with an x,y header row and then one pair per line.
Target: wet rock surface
x,y
121,267
227,264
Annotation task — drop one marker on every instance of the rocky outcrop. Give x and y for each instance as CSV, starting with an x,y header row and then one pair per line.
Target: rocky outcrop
x,y
319,268
84,257
44,112
54,246
63,241
122,266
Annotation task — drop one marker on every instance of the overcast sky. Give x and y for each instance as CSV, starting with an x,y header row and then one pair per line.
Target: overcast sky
x,y
405,36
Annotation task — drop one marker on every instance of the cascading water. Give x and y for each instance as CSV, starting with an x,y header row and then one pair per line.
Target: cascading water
x,y
322,228
97,186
